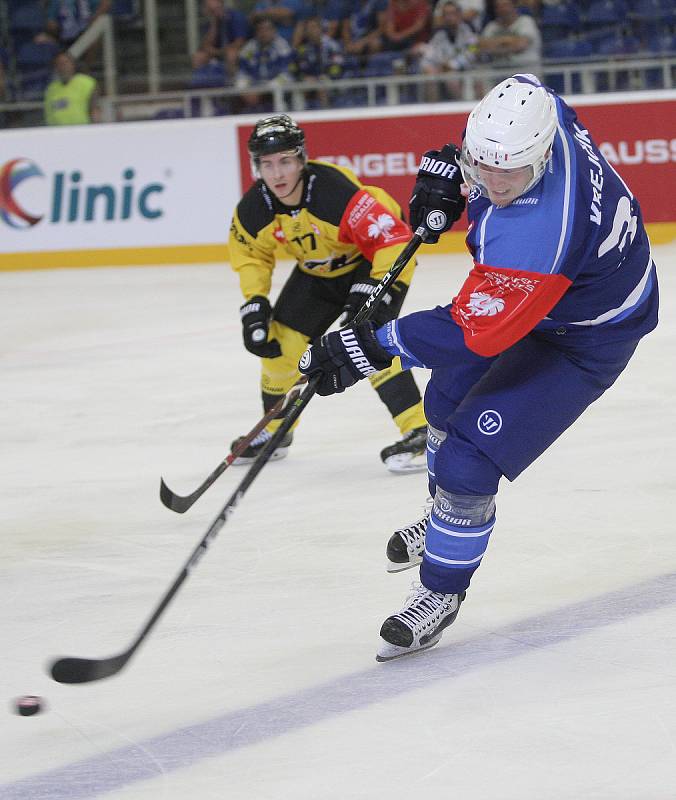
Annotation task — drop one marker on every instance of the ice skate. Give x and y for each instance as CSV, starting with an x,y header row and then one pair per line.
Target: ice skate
x,y
249,455
409,454
420,623
406,545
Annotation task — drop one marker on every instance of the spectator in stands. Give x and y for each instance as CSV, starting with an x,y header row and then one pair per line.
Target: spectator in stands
x,y
407,22
69,19
362,31
318,56
227,32
330,12
512,40
451,48
72,97
264,58
283,13
473,12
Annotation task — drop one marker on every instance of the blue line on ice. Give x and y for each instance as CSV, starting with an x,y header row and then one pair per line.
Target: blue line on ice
x,y
188,746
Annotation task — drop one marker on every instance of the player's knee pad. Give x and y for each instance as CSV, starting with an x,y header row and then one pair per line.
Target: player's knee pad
x,y
462,468
456,539
438,405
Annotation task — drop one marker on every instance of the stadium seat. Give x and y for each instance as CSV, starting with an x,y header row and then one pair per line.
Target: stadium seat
x,y
605,12
568,49
34,56
647,9
381,64
124,8
210,76
562,15
27,18
618,45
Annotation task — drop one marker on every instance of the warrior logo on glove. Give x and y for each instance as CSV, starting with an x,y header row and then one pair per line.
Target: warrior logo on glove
x,y
442,169
436,220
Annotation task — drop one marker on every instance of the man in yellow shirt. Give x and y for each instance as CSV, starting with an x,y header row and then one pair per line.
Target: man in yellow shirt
x,y
72,97
343,236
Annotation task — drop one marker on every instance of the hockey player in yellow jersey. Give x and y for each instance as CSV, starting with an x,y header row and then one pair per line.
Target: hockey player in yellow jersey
x,y
344,237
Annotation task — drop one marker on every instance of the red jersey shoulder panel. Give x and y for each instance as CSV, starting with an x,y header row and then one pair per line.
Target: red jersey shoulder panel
x,y
370,225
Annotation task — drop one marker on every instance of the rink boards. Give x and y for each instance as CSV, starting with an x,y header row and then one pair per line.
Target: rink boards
x,y
164,192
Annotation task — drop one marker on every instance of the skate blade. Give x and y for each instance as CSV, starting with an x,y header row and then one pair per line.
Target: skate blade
x,y
394,566
388,652
404,463
241,461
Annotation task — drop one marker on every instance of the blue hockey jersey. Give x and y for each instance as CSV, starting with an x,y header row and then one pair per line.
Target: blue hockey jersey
x,y
572,253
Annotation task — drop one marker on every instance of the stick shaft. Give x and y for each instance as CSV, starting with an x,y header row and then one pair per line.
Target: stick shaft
x,y
82,670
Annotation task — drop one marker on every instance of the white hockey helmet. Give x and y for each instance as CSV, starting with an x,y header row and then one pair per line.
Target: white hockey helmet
x,y
512,127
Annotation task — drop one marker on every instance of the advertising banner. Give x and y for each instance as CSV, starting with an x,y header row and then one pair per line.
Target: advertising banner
x,y
637,137
164,192
115,186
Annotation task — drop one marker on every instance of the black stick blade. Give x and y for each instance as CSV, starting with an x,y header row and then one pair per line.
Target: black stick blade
x,y
175,502
86,670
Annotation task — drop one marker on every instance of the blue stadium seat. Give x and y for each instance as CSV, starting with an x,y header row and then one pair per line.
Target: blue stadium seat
x,y
661,43
27,17
210,76
34,69
562,15
25,21
170,113
605,12
381,64
568,49
32,84
125,10
647,9
35,56
618,45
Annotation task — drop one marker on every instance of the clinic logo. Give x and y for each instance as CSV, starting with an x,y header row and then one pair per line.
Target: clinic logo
x,y
69,197
12,174
489,422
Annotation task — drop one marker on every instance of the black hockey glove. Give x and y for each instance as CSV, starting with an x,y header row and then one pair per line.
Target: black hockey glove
x,y
344,357
436,202
256,314
387,308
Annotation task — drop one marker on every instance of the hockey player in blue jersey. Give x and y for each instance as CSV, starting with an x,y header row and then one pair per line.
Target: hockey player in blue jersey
x,y
561,291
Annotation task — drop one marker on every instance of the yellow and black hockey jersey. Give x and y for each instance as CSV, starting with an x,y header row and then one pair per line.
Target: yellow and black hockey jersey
x,y
338,223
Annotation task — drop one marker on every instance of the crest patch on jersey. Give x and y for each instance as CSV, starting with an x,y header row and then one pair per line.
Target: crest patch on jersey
x,y
497,306
381,226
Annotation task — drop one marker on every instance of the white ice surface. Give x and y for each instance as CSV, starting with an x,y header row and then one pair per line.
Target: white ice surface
x,y
557,681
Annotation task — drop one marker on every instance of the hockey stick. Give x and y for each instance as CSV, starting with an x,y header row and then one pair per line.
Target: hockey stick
x,y
85,670
181,503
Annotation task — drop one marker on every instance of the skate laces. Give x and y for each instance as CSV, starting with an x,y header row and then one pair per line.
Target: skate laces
x,y
263,436
423,608
413,534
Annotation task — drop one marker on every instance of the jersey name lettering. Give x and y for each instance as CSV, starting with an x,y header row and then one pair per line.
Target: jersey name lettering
x,y
595,173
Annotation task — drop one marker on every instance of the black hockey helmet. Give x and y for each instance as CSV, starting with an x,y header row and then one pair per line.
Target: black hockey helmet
x,y
275,134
